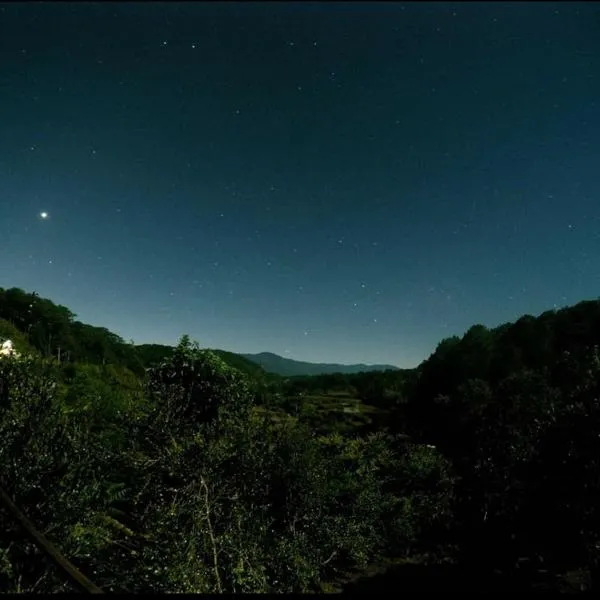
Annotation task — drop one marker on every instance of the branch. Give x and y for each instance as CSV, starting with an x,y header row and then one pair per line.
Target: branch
x,y
212,536
48,548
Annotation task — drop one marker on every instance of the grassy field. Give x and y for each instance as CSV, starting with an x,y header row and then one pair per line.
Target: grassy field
x,y
326,413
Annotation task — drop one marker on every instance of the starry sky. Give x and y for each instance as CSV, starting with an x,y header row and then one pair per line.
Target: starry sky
x,y
336,182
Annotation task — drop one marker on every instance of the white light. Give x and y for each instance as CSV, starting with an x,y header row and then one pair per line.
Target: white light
x,y
43,215
7,349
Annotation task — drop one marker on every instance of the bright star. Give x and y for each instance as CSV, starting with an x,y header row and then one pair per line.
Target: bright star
x,y
43,215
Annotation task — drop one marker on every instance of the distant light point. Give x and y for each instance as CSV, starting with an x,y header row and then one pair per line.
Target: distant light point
x,y
43,215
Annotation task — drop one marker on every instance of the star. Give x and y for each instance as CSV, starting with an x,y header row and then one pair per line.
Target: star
x,y
44,215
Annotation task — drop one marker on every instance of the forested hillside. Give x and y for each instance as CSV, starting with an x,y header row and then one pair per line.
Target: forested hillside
x,y
156,469
53,331
152,354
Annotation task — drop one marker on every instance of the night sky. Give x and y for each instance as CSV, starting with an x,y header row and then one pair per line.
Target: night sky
x,y
327,181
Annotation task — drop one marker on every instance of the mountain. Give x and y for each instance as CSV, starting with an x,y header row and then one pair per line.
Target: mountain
x,y
152,354
52,330
262,364
273,363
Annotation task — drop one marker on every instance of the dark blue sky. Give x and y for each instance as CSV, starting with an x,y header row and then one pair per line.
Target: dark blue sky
x,y
347,182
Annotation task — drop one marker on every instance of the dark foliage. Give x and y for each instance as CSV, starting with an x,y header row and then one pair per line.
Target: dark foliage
x,y
160,469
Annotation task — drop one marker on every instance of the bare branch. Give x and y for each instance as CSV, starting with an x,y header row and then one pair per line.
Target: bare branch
x,y
46,546
212,536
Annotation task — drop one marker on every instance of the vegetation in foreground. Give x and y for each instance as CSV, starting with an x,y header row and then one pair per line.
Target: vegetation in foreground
x,y
199,472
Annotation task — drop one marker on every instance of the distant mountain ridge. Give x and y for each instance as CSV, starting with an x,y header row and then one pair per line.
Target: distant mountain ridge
x,y
37,323
264,363
273,363
153,354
